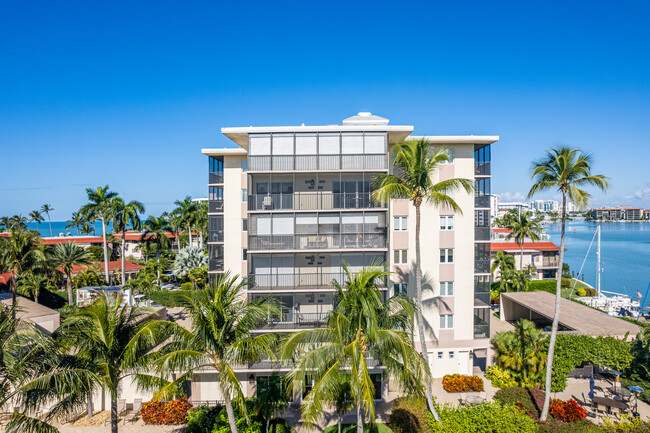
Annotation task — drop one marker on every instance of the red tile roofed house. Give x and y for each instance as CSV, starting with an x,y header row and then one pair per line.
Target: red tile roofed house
x,y
113,266
543,255
646,214
499,233
133,240
83,241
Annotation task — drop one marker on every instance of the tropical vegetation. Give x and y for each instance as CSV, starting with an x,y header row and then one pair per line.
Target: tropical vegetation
x,y
521,353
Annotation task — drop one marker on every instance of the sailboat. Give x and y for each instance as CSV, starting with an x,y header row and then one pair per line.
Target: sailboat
x,y
612,303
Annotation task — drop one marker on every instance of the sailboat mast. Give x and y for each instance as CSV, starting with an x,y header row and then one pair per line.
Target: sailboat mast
x,y
598,262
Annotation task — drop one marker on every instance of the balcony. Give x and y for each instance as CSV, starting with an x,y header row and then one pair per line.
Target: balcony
x,y
550,262
482,201
215,264
215,206
312,201
295,321
481,266
482,331
317,162
482,233
215,177
317,242
284,282
482,169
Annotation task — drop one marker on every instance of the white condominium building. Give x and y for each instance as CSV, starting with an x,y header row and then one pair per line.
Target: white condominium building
x,y
290,204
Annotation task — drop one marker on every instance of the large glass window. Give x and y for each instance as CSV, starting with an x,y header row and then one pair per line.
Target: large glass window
x,y
447,222
400,257
215,228
400,223
216,170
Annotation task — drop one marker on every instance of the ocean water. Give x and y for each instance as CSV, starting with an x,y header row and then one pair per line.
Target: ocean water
x,y
625,253
58,228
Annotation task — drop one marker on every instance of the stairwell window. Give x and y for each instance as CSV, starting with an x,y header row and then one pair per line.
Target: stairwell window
x,y
400,288
450,152
447,222
400,223
244,254
446,255
244,225
400,257
447,322
244,195
446,288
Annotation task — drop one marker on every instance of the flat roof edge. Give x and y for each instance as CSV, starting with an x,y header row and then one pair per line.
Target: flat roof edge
x,y
224,151
469,139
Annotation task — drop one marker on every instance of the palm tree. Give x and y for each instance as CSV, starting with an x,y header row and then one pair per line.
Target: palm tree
x,y
125,215
65,256
524,226
20,253
362,327
521,351
155,232
271,398
99,208
18,222
187,211
5,222
415,164
567,171
76,221
31,284
46,209
220,338
201,220
86,228
505,263
36,217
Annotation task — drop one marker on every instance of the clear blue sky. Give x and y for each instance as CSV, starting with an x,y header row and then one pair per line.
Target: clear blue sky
x,y
127,93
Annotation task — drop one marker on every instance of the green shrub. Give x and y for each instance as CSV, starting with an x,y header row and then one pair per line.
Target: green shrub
x,y
556,426
279,425
186,286
625,424
352,428
410,415
201,419
499,377
486,417
531,401
581,292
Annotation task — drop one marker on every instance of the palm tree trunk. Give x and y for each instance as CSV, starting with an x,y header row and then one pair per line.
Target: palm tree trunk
x,y
69,286
556,316
359,420
123,254
158,263
418,292
89,405
231,414
189,233
113,413
521,258
108,281
340,421
12,287
48,220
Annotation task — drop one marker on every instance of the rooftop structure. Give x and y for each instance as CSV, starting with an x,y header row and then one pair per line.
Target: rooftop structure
x,y
45,319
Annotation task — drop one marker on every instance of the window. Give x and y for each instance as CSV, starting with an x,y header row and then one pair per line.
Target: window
x,y
447,222
446,288
451,355
439,355
244,254
400,257
244,165
244,195
244,225
450,152
447,322
399,288
400,223
446,255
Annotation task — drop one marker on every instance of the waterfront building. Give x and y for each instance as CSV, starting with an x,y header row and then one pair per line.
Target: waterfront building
x,y
505,207
290,204
646,214
626,213
544,256
551,206
632,214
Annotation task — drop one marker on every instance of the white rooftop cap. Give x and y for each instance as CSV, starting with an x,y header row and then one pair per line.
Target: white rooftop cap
x,y
365,118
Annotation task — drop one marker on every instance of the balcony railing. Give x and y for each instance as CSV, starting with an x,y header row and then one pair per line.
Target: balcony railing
x,y
215,264
295,321
317,242
300,281
482,201
482,266
482,331
215,177
311,201
482,233
482,169
215,205
317,162
549,262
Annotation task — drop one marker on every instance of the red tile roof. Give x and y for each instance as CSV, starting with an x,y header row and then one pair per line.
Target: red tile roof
x,y
73,239
501,230
528,246
112,266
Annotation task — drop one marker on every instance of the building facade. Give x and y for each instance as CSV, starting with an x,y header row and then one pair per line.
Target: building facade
x,y
290,205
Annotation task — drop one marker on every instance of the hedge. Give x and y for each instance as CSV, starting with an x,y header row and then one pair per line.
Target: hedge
x,y
410,415
486,417
530,401
352,428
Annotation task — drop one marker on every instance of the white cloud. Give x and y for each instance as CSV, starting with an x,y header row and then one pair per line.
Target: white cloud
x,y
511,196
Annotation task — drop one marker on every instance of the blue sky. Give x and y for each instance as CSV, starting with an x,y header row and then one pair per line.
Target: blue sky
x,y
127,93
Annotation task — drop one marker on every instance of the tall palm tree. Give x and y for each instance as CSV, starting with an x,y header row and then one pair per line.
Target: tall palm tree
x,y
505,263
521,351
415,164
155,232
36,217
46,209
65,256
567,171
220,338
202,220
5,223
125,215
524,226
20,253
77,220
187,211
99,208
362,327
18,222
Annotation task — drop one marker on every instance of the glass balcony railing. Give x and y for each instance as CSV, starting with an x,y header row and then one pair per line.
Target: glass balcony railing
x,y
317,242
482,201
297,320
321,280
482,331
481,266
317,162
482,169
312,201
215,205
215,177
482,233
215,264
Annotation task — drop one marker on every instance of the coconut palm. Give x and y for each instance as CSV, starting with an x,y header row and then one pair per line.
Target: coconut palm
x,y
201,221
46,209
125,215
566,171
220,338
66,256
521,352
505,263
155,232
187,212
362,328
524,226
20,253
36,217
99,208
18,222
271,398
76,221
31,284
415,164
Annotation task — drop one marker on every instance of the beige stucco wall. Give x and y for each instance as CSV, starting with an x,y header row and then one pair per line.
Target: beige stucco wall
x,y
232,213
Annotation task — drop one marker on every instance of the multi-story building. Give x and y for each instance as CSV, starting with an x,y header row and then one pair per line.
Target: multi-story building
x,y
505,207
618,213
632,213
291,204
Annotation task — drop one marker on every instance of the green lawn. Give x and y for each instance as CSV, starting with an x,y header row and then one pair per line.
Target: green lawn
x,y
352,428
